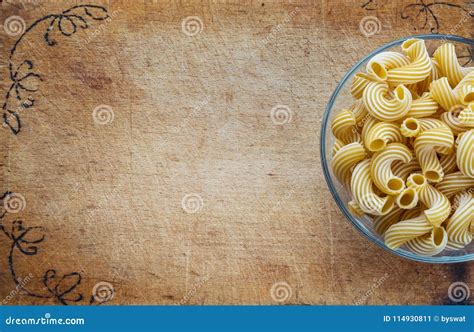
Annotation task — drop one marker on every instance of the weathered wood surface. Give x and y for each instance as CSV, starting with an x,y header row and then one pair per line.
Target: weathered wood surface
x,y
192,115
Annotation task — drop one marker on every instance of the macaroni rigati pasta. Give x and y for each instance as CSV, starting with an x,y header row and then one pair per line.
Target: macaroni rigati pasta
x,y
417,70
427,146
383,107
405,148
464,153
364,194
457,227
449,65
381,168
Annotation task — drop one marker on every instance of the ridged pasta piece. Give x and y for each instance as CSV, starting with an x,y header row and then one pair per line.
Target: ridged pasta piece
x,y
359,83
430,165
438,205
465,153
458,225
413,213
467,80
345,158
466,116
465,94
416,181
381,168
360,113
363,192
337,145
427,144
429,244
434,75
381,63
448,162
380,134
403,170
417,70
343,124
368,124
408,198
382,223
451,119
406,230
454,245
412,127
446,57
454,183
444,95
423,107
386,108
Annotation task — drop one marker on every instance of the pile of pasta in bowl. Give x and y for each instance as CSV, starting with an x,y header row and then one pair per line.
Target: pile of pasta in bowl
x,y
405,148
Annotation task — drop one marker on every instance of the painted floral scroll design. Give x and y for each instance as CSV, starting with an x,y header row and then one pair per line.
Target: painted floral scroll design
x,y
25,240
25,79
426,15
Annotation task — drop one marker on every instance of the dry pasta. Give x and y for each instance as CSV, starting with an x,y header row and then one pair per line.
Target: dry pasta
x,y
417,70
405,148
448,62
464,153
457,227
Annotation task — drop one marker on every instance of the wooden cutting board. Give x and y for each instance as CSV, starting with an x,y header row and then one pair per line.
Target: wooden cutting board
x,y
167,152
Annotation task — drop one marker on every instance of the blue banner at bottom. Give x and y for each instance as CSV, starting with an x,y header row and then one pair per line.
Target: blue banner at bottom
x,y
237,318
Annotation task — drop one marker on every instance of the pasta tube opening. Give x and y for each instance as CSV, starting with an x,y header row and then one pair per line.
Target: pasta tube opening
x,y
433,175
377,145
408,198
410,127
439,235
406,44
378,70
469,97
416,180
395,184
388,205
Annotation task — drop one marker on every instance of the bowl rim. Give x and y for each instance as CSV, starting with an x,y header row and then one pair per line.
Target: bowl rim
x,y
324,125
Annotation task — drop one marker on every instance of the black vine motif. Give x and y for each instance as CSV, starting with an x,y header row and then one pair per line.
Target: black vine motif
x,y
428,15
25,240
369,5
23,76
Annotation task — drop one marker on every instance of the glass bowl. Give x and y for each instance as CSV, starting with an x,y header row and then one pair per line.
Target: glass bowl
x,y
341,98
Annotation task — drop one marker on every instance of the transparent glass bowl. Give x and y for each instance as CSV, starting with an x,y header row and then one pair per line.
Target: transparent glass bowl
x,y
341,98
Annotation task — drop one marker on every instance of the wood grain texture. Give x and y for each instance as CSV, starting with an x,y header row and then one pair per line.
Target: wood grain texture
x,y
192,115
